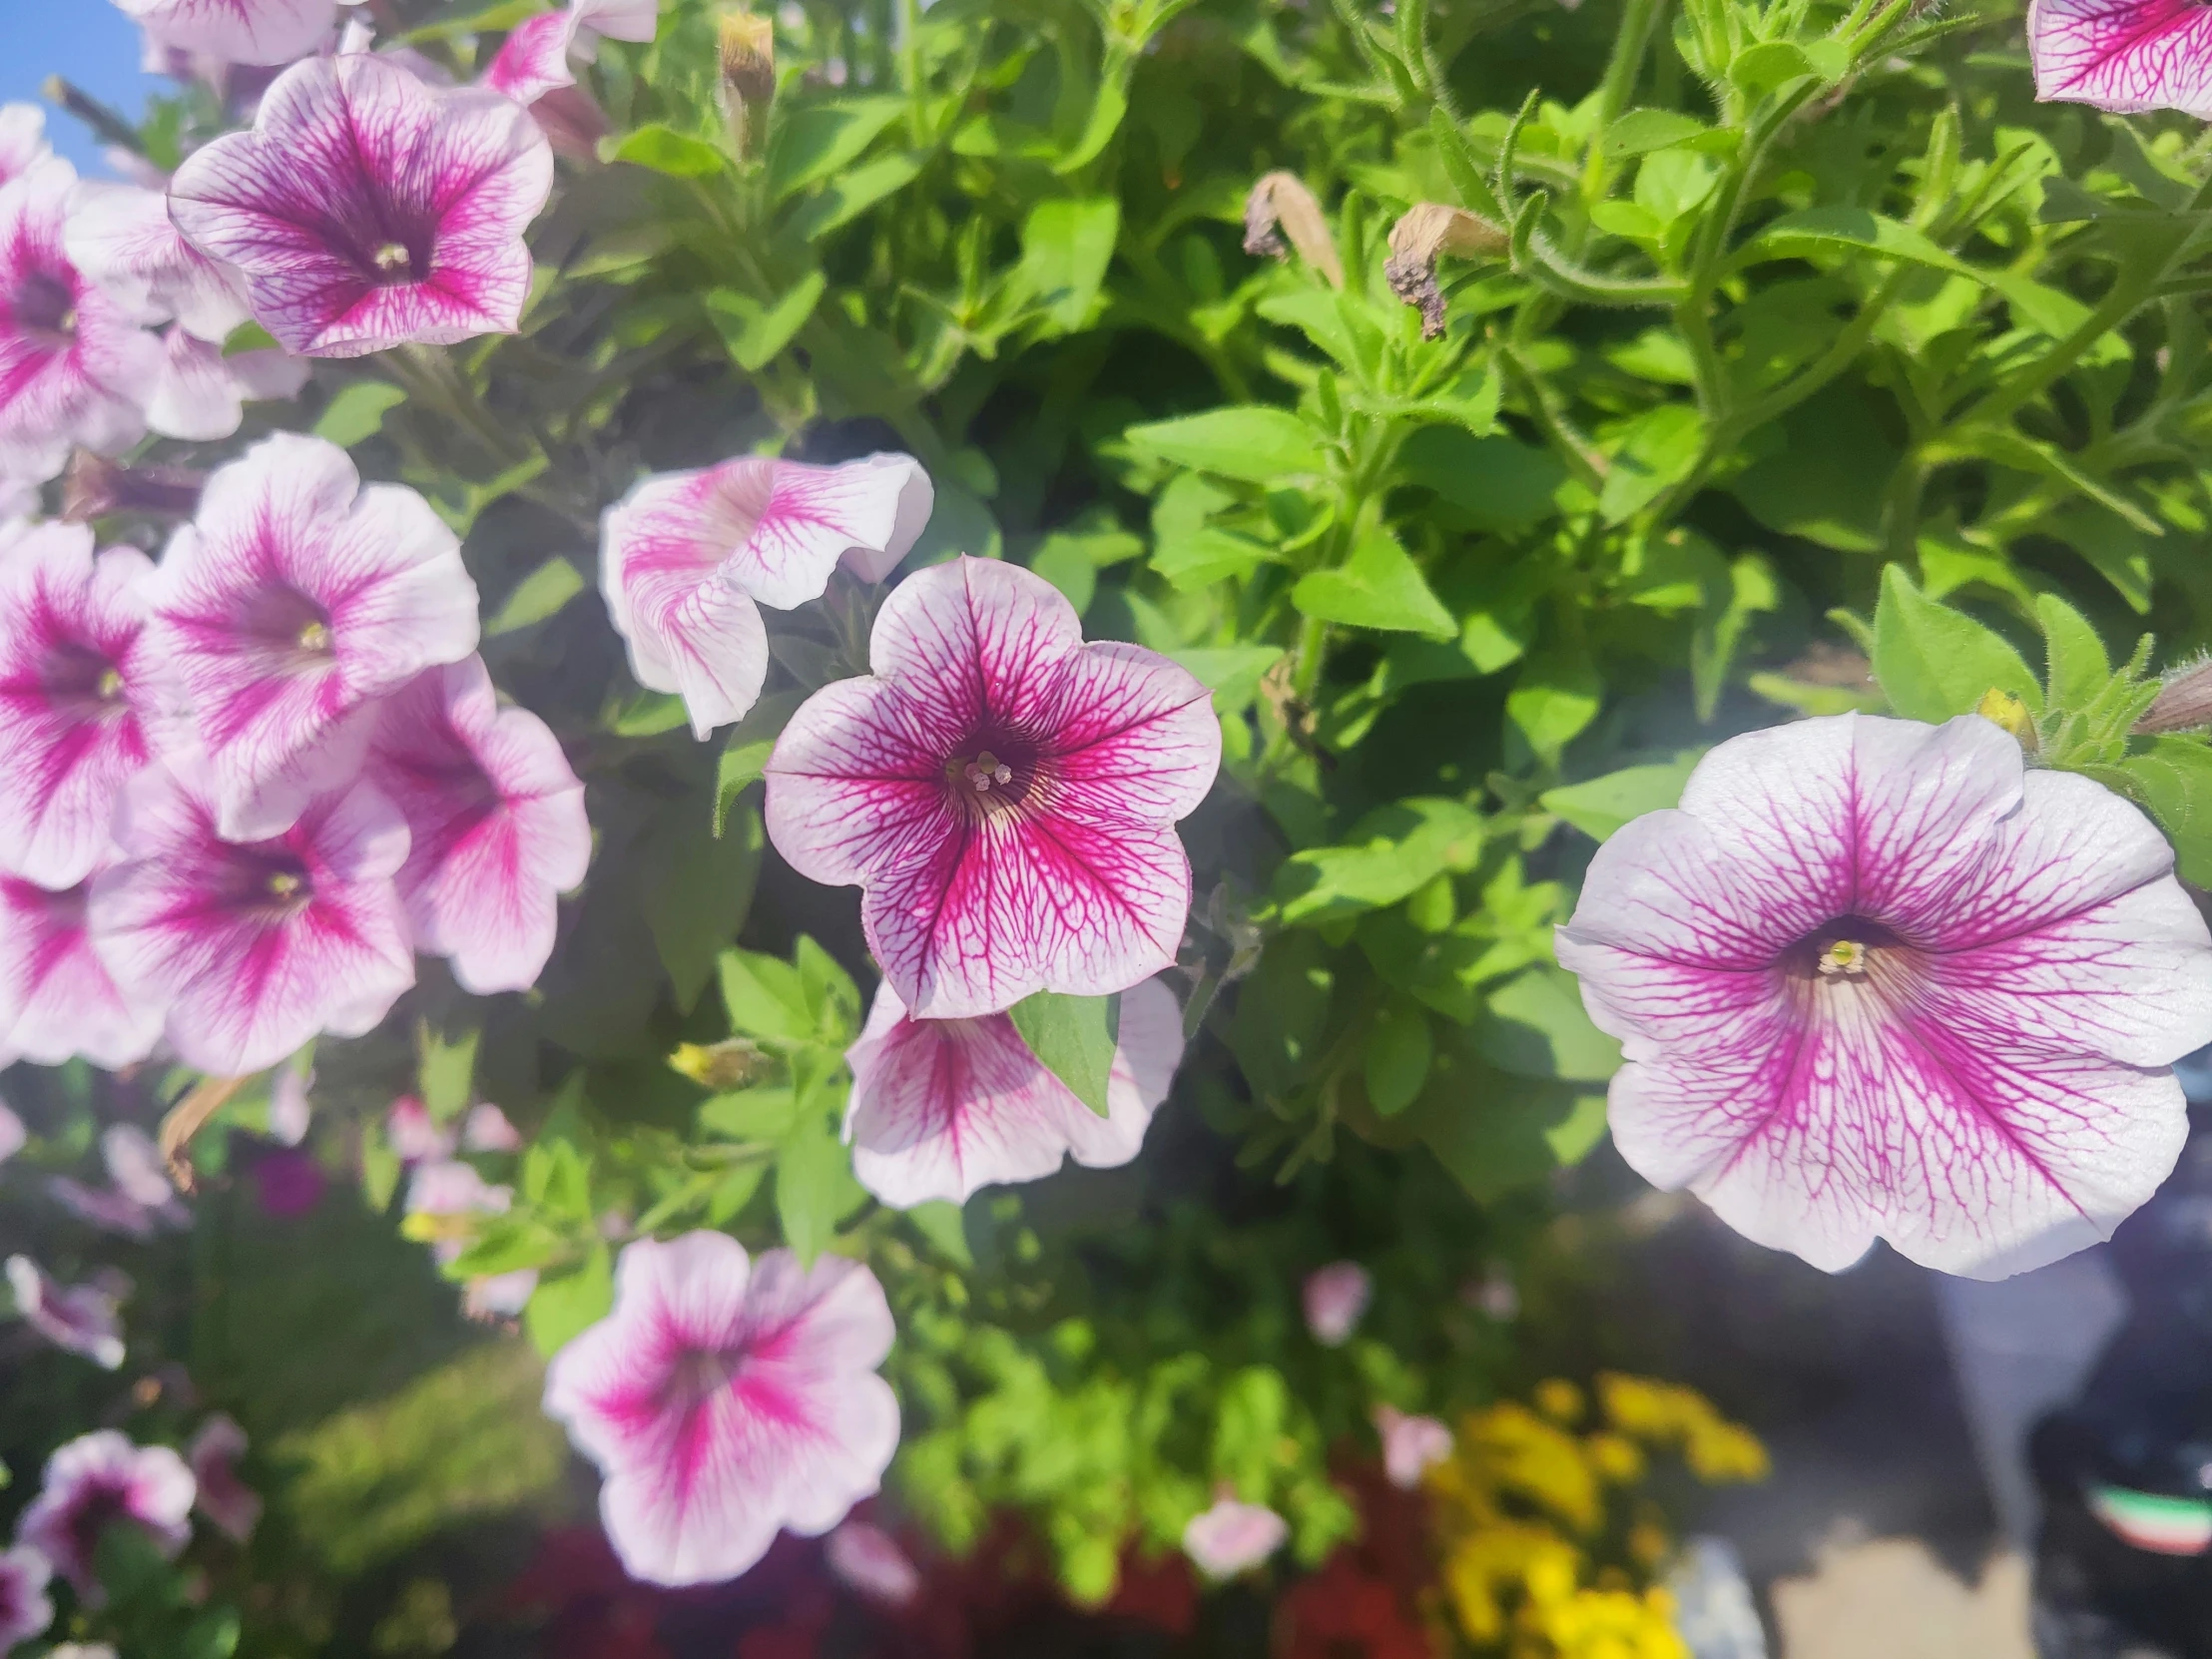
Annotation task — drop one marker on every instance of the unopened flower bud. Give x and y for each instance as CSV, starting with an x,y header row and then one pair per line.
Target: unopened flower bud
x,y
95,487
1280,205
2007,711
748,53
1429,229
2184,700
728,1065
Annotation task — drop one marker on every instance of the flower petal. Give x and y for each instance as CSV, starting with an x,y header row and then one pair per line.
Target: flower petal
x,y
121,236
258,32
2122,55
688,632
57,1001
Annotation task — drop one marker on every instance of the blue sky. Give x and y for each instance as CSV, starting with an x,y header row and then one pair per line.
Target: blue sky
x,y
87,41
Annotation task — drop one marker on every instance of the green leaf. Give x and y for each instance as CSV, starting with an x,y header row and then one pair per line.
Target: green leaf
x,y
1601,806
1073,1038
1934,663
2078,669
213,1635
1388,854
1537,1027
1066,245
1400,1049
505,14
1068,569
541,594
1840,230
1497,483
1378,587
1557,694
698,889
746,750
2175,780
445,1071
1641,131
766,998
852,195
1256,442
814,141
814,1189
1231,671
1205,555
750,1114
507,1244
755,334
664,150
942,1223
646,715
565,1305
1657,450
357,413
247,337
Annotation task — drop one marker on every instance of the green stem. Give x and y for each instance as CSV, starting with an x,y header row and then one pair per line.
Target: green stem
x,y
1639,21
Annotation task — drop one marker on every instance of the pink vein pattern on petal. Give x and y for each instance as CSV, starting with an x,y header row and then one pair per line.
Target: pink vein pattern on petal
x,y
1874,980
2127,56
57,1002
260,32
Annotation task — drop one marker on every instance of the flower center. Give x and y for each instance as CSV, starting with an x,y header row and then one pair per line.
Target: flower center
x,y
315,637
995,776
699,1376
1850,951
290,631
393,262
46,308
1843,956
78,679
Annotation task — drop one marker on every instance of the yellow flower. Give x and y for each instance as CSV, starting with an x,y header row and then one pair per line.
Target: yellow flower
x,y
1559,1399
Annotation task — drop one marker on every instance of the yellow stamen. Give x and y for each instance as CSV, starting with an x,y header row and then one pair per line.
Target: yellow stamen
x,y
394,258
284,885
314,636
1845,956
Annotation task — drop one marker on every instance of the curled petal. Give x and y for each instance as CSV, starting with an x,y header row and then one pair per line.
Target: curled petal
x,y
687,631
122,239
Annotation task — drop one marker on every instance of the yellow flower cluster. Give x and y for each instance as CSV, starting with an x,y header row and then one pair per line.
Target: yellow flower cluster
x,y
1547,1548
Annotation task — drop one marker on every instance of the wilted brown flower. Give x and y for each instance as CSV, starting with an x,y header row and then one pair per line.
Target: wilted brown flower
x,y
1427,229
1281,202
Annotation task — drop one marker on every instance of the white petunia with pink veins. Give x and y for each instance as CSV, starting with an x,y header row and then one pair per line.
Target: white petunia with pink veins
x,y
257,32
1878,979
2127,56
1004,794
727,1398
368,209
941,1107
688,558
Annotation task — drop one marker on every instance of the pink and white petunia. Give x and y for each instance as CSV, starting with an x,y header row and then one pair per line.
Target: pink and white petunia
x,y
136,1167
724,1399
1336,1299
104,1208
101,1481
24,1607
452,1188
234,1506
22,140
867,1562
254,948
200,395
1876,980
57,999
687,558
940,1107
413,1134
1232,1538
2127,56
368,209
1005,794
121,237
1410,1445
487,1129
258,32
77,696
79,1319
295,599
535,57
497,821
72,361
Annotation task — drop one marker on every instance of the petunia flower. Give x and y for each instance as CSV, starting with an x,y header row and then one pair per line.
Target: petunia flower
x,y
497,821
452,1188
22,140
940,1107
72,361
135,1166
2126,56
58,1001
254,948
290,1104
1410,1445
259,32
101,1481
486,1129
234,1506
725,1398
867,1562
103,1207
24,1607
1336,1299
1004,794
687,558
414,1135
121,237
77,696
1876,980
535,56
293,600
1232,1538
368,209
80,1319
200,395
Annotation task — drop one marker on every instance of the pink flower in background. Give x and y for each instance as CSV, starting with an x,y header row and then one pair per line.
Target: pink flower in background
x,y
940,1107
22,140
57,1000
869,1563
2122,55
687,557
486,1129
81,1319
1336,1299
75,696
254,948
1410,1445
73,362
290,1104
497,821
288,1183
535,58
724,1399
455,1189
296,598
234,1506
1875,980
101,1481
368,209
259,32
13,1135
200,395
24,1607
121,237
1004,794
135,1167
414,1135
1232,1538
103,1207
